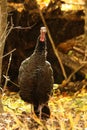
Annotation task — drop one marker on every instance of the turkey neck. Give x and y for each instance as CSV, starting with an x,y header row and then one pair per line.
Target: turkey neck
x,y
41,49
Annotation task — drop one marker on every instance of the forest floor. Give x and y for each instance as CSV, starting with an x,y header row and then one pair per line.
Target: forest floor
x,y
68,112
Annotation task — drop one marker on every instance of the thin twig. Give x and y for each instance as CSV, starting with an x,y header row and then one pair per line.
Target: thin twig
x,y
9,30
2,36
8,53
8,107
78,50
71,75
5,34
52,43
14,83
7,79
24,28
80,67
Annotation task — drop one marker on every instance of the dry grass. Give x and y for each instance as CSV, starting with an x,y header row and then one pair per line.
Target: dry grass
x,y
67,113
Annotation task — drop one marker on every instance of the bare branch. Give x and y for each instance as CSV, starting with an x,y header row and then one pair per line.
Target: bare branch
x,y
2,36
8,79
8,53
52,43
5,34
9,63
24,28
80,67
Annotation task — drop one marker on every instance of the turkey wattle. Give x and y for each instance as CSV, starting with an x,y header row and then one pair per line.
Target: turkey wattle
x,y
36,78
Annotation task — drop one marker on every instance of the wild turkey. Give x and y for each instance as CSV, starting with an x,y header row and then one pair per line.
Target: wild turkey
x,y
36,78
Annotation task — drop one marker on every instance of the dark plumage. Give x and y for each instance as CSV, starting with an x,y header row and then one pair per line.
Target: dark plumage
x,y
36,77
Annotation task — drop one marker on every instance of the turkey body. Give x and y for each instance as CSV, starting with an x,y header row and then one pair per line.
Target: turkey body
x,y
36,78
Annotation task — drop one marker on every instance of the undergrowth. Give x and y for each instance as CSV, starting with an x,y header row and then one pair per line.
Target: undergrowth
x,y
68,112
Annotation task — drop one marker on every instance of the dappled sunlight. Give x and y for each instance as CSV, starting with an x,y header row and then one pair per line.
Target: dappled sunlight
x,y
68,5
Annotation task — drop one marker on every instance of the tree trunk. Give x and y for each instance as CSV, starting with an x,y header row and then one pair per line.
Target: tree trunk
x,y
3,24
86,23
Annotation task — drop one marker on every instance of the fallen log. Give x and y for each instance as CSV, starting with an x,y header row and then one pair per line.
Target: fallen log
x,y
67,61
